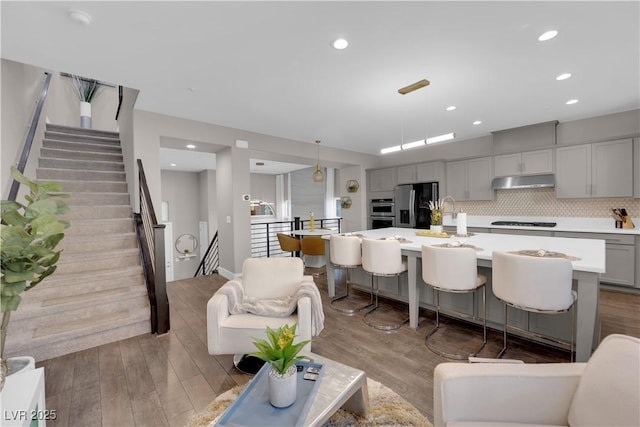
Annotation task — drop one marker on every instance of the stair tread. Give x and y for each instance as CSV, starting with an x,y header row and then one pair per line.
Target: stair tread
x,y
105,273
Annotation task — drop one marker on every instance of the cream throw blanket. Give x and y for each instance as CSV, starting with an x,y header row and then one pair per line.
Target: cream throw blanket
x,y
239,303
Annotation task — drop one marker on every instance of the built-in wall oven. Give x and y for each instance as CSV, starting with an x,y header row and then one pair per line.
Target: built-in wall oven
x,y
381,213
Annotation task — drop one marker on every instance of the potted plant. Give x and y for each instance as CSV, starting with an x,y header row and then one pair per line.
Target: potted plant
x,y
28,236
282,354
86,89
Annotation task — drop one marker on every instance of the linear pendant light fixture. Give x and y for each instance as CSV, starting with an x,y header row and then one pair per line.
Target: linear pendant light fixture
x,y
405,146
318,176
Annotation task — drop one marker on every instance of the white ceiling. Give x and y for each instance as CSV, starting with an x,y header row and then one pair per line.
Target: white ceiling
x,y
269,67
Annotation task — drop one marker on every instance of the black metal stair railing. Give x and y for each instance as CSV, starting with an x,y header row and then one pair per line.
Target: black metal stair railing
x,y
151,239
264,235
211,261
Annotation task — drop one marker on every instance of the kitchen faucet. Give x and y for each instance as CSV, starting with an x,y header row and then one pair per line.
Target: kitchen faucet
x,y
454,213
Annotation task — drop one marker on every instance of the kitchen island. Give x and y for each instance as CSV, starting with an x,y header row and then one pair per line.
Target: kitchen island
x,y
588,266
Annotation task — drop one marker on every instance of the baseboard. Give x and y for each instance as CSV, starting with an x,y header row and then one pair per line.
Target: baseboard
x,y
229,275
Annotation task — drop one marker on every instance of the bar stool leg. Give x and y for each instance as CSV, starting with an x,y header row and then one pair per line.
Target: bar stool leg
x,y
375,307
349,311
504,333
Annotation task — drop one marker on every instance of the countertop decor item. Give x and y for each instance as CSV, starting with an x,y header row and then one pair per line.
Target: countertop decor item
x,y
86,89
353,186
282,354
29,236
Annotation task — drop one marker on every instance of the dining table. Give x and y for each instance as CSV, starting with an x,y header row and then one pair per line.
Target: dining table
x,y
587,258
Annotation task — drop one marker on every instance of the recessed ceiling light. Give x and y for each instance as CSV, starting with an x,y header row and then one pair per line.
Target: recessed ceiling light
x,y
563,76
477,122
173,165
548,35
572,101
451,107
80,17
340,44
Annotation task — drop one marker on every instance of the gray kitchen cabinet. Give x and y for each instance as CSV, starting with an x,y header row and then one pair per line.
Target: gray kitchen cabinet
x,y
431,172
527,163
382,179
595,170
620,256
636,168
470,179
407,174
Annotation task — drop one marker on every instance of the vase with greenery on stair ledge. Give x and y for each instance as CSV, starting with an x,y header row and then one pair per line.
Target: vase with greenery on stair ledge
x,y
86,89
29,233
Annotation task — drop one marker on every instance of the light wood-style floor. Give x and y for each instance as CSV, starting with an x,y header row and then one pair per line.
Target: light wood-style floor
x,y
164,380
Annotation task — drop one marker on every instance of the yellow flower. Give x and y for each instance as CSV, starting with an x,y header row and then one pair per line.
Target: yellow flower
x,y
281,343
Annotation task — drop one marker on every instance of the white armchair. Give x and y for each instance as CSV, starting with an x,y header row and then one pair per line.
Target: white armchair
x,y
605,391
263,279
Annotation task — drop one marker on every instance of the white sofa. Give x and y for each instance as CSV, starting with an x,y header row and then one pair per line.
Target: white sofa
x,y
603,392
266,279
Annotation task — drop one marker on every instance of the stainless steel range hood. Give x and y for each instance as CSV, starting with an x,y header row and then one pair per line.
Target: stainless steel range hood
x,y
523,181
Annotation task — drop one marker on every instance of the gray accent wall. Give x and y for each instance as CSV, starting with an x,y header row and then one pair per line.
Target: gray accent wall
x,y
306,195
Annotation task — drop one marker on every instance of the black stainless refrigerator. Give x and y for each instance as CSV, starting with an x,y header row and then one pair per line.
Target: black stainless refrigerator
x,y
412,204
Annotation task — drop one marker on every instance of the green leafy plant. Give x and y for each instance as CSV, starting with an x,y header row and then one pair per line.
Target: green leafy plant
x,y
280,351
86,89
28,235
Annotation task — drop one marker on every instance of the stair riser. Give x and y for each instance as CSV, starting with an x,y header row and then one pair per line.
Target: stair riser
x,y
81,228
55,174
81,165
78,245
97,212
79,155
78,146
94,187
91,139
46,289
52,349
98,199
82,131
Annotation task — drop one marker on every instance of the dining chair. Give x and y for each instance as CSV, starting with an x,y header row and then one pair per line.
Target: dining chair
x,y
312,246
536,284
346,252
453,270
382,258
288,243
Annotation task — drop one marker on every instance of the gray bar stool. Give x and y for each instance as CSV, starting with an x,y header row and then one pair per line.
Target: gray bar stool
x,y
346,252
537,284
453,270
382,258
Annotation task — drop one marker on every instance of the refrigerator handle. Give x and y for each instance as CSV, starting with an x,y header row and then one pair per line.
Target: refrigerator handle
x,y
412,208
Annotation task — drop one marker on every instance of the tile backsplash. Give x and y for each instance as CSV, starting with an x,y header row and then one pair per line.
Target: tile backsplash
x,y
542,202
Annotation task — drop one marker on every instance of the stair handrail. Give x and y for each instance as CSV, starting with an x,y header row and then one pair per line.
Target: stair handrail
x,y
211,260
28,143
151,239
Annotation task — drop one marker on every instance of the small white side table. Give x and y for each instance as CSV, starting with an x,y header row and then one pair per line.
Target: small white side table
x,y
22,401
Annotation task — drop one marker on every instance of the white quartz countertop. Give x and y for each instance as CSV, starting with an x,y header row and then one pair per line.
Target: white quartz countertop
x,y
578,225
591,252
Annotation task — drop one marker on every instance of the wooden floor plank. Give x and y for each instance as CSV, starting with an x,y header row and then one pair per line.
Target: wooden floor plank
x,y
164,380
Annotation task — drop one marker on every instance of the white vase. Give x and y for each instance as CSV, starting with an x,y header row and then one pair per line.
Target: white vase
x,y
436,228
85,115
282,388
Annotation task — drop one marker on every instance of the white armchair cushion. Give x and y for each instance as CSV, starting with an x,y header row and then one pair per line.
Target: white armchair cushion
x,y
609,390
271,277
504,394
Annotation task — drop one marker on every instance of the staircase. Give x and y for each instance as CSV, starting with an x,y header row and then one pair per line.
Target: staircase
x,y
98,294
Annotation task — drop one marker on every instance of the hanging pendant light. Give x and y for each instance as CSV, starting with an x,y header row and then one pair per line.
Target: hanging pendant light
x,y
318,176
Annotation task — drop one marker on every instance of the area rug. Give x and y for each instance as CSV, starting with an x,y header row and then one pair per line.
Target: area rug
x,y
386,409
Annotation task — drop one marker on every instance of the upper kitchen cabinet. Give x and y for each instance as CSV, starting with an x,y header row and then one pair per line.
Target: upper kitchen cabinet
x,y
527,163
595,170
407,174
431,172
636,168
469,179
382,179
